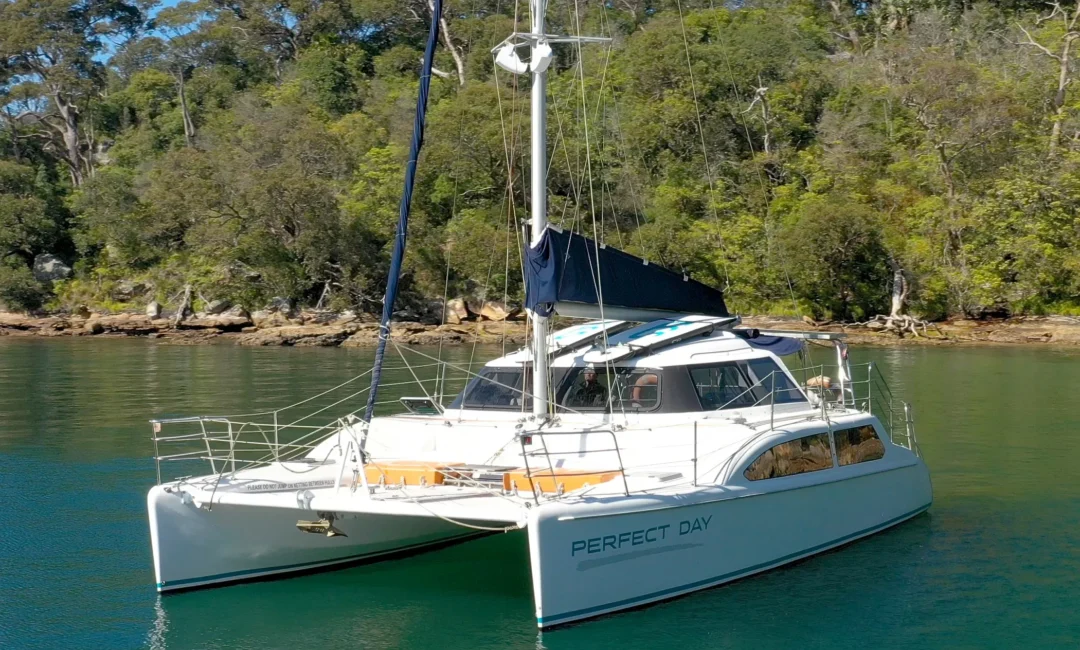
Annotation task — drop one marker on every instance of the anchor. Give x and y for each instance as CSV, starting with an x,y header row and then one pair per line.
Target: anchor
x,y
321,526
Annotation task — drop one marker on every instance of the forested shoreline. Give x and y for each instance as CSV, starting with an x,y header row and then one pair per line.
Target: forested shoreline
x,y
823,159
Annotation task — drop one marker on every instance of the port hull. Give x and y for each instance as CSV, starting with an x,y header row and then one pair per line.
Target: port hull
x,y
196,547
587,562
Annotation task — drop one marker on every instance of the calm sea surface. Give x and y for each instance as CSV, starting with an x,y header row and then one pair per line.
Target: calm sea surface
x,y
994,564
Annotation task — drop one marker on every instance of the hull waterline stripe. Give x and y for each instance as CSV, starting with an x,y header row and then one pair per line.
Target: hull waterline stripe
x,y
673,591
304,565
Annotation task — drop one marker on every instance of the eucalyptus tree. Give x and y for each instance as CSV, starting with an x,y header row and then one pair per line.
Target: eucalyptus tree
x,y
50,61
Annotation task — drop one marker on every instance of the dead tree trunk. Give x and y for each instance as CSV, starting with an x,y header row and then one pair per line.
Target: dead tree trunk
x,y
189,125
1063,58
444,30
852,35
899,290
897,321
184,310
68,128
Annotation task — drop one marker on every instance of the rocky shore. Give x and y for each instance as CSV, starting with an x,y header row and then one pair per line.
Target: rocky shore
x,y
1054,330
330,329
313,329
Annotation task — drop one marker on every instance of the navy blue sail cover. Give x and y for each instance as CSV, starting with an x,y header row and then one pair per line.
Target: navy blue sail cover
x,y
564,267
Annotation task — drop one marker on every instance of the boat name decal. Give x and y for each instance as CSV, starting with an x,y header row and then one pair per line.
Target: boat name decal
x,y
638,537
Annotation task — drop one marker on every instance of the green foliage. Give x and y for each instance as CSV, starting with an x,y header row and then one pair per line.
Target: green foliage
x,y
790,153
18,287
29,222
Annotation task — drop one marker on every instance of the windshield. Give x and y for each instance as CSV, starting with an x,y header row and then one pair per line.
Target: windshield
x,y
591,389
497,388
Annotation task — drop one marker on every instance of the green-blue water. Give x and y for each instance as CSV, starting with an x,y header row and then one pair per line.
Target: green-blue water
x,y
995,563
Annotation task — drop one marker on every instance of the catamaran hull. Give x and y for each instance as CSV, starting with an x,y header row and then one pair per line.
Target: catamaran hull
x,y
196,547
587,562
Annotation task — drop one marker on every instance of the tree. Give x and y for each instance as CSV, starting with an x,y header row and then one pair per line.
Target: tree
x,y
1061,30
49,65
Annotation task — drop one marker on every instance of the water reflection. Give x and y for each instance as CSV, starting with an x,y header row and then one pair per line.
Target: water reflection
x,y
419,602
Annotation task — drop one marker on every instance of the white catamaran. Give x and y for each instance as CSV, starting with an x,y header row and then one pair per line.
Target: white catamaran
x,y
652,451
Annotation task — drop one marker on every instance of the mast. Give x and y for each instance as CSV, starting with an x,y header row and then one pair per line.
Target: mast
x,y
506,57
538,173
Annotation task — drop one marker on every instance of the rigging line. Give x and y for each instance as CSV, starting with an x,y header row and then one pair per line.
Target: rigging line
x,y
753,154
446,279
508,152
412,372
622,148
596,113
592,200
416,500
588,165
605,186
560,137
574,187
506,276
704,148
475,375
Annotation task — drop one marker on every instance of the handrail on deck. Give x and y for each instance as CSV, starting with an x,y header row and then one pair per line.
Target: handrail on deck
x,y
252,440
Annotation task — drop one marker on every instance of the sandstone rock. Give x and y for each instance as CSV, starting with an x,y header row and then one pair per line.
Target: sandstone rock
x,y
18,321
49,268
321,317
153,310
456,311
474,306
498,311
281,306
345,317
221,322
129,324
217,307
127,290
266,319
236,311
298,335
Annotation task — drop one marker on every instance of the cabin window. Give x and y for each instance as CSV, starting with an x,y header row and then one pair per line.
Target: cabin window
x,y
767,374
724,386
809,454
739,384
591,389
858,445
497,388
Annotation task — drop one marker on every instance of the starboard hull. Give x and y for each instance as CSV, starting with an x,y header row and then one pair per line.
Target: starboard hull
x,y
587,563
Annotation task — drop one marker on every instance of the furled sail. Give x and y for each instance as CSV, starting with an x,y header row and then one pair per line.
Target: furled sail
x,y
402,232
572,275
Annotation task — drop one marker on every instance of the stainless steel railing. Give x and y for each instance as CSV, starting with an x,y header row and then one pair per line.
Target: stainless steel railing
x,y
230,443
866,389
233,443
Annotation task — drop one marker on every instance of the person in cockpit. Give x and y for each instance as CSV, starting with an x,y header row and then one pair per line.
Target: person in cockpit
x,y
590,393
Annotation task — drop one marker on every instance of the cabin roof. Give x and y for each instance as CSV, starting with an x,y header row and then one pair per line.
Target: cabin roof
x,y
701,348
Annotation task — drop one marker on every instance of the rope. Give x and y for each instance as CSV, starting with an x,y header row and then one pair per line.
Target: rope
x,y
704,149
750,142
503,529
